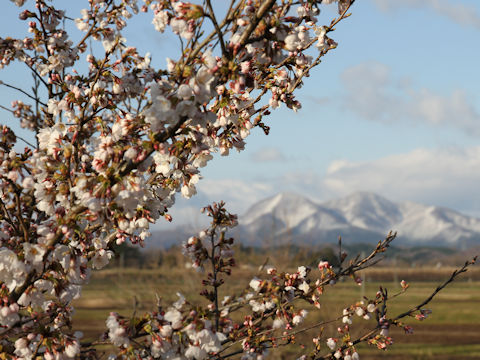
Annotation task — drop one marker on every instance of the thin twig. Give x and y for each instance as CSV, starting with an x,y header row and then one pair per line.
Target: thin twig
x,y
262,10
23,92
26,142
7,109
438,289
370,334
217,28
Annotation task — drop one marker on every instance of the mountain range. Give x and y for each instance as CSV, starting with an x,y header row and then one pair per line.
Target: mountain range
x,y
359,218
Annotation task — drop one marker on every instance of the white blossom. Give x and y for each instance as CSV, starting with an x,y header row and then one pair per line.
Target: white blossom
x,y
302,272
22,349
102,258
359,311
117,333
12,270
160,21
255,284
304,287
9,314
331,343
34,254
174,317
278,323
72,349
50,138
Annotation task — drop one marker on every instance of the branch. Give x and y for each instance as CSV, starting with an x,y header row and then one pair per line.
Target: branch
x,y
229,17
372,332
365,262
438,289
266,6
160,137
35,72
356,265
20,217
23,92
342,16
7,215
125,169
217,28
25,141
7,109
87,35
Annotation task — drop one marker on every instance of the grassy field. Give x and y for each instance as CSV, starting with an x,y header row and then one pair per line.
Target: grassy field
x,y
451,332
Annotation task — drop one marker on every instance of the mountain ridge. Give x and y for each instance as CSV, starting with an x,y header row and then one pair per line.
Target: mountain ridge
x,y
367,211
362,217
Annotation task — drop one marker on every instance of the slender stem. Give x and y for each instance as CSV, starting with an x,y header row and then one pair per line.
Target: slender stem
x,y
37,75
438,289
8,217
89,32
341,17
20,217
228,18
217,28
263,9
26,142
7,109
45,37
214,274
374,331
23,92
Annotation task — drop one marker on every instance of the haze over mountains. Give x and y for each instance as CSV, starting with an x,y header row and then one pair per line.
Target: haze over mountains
x,y
359,218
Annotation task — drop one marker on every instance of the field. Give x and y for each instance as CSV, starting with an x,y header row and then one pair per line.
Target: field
x,y
451,332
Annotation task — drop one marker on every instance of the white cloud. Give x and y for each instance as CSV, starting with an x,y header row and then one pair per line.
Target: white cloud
x,y
447,177
374,94
462,14
371,93
268,155
444,177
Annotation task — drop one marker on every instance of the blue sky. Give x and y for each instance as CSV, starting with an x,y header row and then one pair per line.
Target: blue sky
x,y
395,110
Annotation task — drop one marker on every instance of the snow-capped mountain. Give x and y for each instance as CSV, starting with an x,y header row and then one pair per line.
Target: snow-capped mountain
x,y
361,217
280,208
367,211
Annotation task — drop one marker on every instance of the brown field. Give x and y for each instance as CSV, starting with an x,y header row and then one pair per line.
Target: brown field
x,y
452,331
